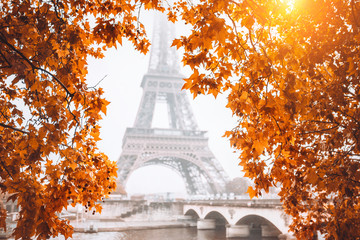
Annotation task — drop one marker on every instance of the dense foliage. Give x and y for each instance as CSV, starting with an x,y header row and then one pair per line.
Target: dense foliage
x,y
48,114
292,71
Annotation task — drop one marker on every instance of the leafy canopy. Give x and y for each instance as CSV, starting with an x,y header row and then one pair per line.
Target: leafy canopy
x,y
48,114
291,71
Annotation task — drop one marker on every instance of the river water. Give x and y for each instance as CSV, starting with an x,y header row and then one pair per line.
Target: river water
x,y
158,234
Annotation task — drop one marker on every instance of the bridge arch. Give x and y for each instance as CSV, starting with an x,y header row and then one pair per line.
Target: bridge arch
x,y
220,219
192,213
274,223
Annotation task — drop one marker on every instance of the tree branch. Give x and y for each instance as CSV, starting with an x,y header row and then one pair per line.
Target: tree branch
x,y
9,65
13,128
3,166
35,67
276,123
321,130
94,87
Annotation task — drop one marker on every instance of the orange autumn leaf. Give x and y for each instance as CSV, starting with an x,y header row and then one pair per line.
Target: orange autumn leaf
x,y
251,192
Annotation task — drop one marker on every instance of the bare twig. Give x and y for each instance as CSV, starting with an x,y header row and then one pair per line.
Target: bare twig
x,y
98,82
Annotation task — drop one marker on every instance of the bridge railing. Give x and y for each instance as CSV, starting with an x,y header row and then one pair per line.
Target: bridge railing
x,y
256,203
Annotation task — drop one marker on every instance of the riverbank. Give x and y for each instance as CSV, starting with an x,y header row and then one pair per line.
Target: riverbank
x,y
116,226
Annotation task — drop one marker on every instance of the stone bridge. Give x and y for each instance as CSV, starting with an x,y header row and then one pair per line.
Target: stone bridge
x,y
252,219
242,218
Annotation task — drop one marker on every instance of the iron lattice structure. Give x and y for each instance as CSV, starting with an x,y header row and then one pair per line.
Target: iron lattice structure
x,y
181,147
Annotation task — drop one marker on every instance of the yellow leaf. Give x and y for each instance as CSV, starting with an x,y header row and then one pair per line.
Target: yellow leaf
x,y
244,96
227,134
104,105
33,143
248,22
292,140
19,121
73,165
251,192
352,69
214,92
259,147
177,43
95,133
286,153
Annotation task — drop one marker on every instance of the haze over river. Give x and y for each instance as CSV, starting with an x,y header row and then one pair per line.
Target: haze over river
x,y
159,234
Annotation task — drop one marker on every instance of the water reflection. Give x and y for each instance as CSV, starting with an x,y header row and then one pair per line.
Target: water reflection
x,y
160,234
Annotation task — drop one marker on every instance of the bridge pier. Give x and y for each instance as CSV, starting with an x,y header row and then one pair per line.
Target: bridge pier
x,y
203,224
267,231
234,231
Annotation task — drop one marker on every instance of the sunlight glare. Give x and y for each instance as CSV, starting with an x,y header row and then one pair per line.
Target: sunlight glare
x,y
290,5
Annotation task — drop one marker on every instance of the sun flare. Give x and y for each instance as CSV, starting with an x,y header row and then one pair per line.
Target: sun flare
x,y
290,5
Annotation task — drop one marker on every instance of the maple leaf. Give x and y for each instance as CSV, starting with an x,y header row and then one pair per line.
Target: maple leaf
x,y
252,193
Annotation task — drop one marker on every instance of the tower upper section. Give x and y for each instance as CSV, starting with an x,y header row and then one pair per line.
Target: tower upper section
x,y
163,83
163,59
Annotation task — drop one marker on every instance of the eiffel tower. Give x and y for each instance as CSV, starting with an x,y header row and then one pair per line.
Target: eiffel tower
x,y
181,146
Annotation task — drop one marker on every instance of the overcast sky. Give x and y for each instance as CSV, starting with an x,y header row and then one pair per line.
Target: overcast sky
x,y
124,69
